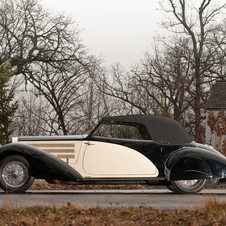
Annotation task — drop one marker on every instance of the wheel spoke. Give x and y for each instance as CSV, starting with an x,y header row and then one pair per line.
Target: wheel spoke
x,y
188,186
15,174
188,183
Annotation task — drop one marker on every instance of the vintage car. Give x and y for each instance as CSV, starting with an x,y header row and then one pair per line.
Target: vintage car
x,y
133,149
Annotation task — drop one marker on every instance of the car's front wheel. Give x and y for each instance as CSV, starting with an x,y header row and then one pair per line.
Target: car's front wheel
x,y
188,186
15,174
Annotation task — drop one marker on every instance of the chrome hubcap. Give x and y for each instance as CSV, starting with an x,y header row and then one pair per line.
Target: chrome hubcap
x,y
188,183
15,174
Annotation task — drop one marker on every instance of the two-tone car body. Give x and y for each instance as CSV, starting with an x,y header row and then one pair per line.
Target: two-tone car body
x,y
140,149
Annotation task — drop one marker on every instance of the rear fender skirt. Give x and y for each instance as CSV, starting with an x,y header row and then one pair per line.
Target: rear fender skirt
x,y
195,163
43,164
190,168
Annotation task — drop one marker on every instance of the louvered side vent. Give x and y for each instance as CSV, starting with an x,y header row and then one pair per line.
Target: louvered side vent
x,y
65,150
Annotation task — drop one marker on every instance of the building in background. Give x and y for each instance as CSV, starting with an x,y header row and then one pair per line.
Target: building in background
x,y
216,104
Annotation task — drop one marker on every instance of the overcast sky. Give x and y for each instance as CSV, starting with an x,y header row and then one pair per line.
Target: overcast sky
x,y
120,30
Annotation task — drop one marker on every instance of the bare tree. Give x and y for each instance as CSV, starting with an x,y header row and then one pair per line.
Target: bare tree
x,y
29,34
32,116
94,104
162,83
195,20
122,86
166,76
63,90
174,80
47,50
216,45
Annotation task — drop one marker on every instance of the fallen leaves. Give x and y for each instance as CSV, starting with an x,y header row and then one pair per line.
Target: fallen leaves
x,y
211,212
46,186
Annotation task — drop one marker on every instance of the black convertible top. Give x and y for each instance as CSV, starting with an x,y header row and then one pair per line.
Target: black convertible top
x,y
162,129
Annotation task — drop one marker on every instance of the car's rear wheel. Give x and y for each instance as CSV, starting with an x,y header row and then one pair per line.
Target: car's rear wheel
x,y
188,186
15,174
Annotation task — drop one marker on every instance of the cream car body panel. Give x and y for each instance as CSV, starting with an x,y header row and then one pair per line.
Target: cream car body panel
x,y
99,160
111,160
67,151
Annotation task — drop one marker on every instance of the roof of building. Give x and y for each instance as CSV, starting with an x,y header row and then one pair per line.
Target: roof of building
x,y
217,99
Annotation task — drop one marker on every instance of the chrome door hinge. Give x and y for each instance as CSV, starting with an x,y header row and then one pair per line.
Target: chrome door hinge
x,y
88,143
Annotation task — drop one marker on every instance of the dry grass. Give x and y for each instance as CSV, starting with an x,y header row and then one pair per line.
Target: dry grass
x,y
83,187
211,212
46,186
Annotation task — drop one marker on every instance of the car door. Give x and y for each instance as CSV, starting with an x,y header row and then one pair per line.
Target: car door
x,y
103,159
111,156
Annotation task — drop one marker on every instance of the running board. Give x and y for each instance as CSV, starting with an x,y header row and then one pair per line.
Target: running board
x,y
111,182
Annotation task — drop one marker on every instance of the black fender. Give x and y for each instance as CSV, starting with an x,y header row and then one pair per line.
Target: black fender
x,y
43,164
195,163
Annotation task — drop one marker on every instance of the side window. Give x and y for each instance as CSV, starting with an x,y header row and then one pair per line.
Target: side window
x,y
123,131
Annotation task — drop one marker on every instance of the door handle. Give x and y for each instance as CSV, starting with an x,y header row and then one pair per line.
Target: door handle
x,y
88,143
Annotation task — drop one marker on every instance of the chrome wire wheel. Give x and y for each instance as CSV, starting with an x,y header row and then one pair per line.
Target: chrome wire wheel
x,y
189,186
188,183
15,174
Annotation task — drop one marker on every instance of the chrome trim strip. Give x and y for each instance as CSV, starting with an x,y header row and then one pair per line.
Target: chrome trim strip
x,y
53,138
